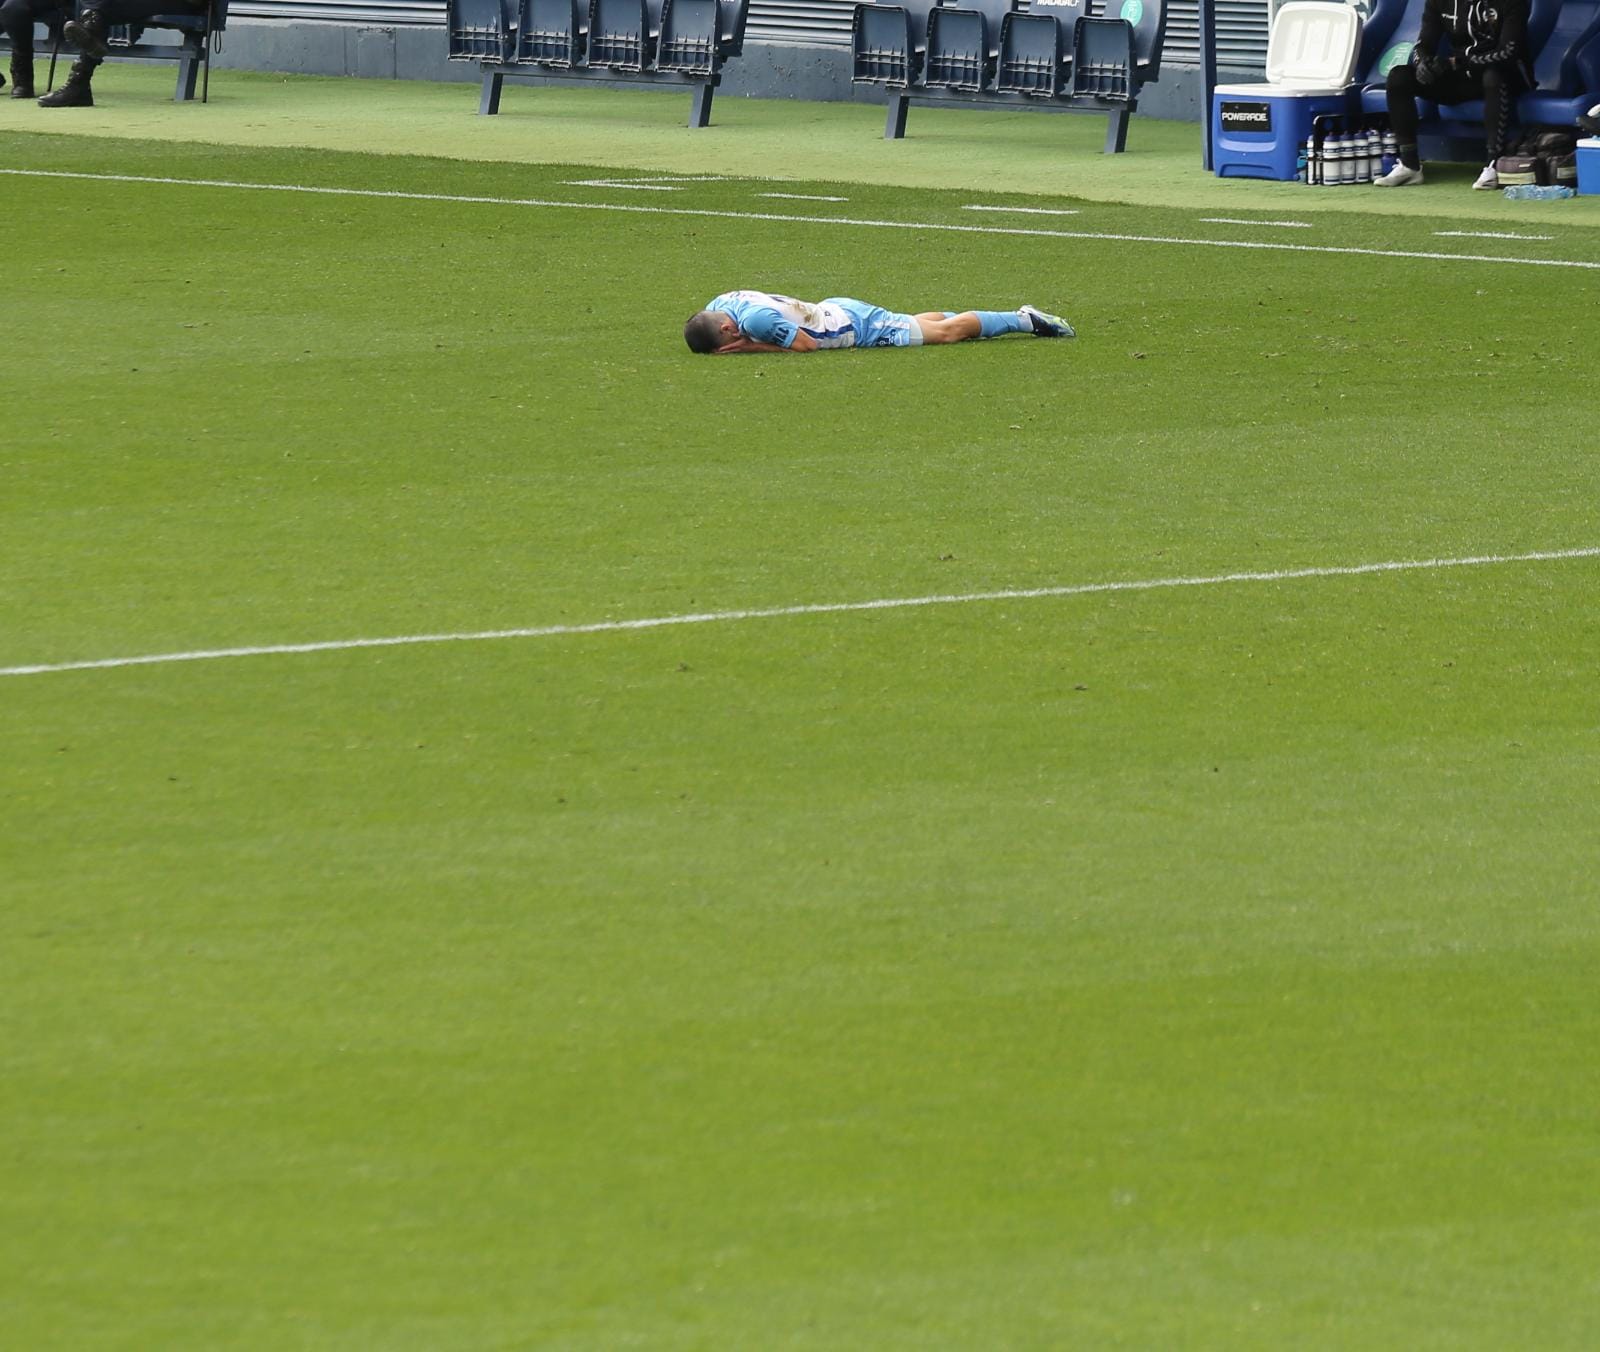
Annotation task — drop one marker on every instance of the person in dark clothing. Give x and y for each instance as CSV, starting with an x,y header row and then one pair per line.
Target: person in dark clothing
x,y
17,18
88,34
1488,60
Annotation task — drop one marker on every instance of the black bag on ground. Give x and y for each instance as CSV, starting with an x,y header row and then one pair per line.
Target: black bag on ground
x,y
1562,170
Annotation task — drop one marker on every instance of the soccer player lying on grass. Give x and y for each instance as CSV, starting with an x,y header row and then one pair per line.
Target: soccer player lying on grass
x,y
756,321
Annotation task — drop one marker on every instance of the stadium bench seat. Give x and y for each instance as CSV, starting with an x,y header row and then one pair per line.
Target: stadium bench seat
x,y
1032,48
960,54
1563,47
668,42
1054,54
888,43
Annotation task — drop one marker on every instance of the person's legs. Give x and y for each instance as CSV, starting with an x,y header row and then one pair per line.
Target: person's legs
x,y
16,21
75,90
88,31
17,18
1400,92
941,326
1497,108
945,326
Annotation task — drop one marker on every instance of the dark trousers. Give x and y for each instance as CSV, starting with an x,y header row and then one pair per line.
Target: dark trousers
x,y
1496,87
132,11
17,18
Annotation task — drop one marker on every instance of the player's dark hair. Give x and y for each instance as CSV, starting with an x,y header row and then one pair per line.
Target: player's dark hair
x,y
703,332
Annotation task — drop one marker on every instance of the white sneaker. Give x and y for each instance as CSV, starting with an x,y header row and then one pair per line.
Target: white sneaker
x,y
1489,179
1401,176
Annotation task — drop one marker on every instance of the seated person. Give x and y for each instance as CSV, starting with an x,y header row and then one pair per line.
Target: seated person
x,y
759,321
1492,65
17,18
88,34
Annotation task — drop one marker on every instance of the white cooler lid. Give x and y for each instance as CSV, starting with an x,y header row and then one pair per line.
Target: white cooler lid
x,y
1313,45
1276,91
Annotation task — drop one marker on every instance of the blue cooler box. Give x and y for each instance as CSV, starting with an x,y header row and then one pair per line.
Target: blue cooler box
x,y
1257,130
1589,166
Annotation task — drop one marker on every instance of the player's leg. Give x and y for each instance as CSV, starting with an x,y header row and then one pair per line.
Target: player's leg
x,y
940,326
944,327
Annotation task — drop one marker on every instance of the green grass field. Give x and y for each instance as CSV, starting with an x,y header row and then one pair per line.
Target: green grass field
x,y
1197,965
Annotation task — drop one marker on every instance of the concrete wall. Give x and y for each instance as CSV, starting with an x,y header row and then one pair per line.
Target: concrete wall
x,y
765,70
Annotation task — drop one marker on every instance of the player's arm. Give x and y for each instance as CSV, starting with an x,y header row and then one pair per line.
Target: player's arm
x,y
1432,31
803,342
771,332
742,344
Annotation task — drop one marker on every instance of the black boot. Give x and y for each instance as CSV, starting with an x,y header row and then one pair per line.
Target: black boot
x,y
88,34
75,93
21,76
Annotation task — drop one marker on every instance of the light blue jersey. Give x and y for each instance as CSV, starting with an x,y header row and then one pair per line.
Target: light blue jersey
x,y
838,322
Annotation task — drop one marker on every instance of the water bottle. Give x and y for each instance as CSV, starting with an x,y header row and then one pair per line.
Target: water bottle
x,y
1357,142
1374,155
1302,163
1347,159
1539,192
1391,151
1333,159
1313,162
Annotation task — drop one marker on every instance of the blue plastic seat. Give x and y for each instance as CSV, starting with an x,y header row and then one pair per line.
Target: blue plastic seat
x,y
888,43
549,33
1103,60
959,55
688,36
1568,69
478,30
1031,55
982,51
622,34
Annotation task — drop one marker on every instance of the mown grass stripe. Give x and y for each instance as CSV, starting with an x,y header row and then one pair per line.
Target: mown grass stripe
x,y
858,222
815,608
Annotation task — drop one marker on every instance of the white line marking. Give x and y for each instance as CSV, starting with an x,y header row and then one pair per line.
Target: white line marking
x,y
646,183
824,608
802,197
622,187
1485,234
1027,211
812,220
1235,220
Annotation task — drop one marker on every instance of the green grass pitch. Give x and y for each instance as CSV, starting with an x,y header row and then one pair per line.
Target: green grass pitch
x,y
1184,966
